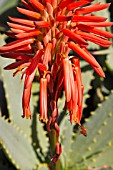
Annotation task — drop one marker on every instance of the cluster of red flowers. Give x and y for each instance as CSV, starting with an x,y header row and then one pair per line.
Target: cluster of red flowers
x,y
43,41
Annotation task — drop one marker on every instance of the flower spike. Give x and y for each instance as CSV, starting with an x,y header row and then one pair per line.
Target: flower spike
x,y
43,41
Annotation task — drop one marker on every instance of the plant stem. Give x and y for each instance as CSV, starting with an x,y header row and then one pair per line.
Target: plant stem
x,y
53,141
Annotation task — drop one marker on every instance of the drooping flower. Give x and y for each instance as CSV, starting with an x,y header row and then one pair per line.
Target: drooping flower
x,y
43,99
43,41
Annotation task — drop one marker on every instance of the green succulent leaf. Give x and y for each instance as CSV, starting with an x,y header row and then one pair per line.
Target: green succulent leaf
x,y
13,90
109,57
43,167
94,149
39,133
17,147
87,77
42,137
109,60
67,137
7,4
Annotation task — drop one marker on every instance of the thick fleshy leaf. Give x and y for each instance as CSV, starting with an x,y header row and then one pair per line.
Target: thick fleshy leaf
x,y
6,5
17,147
98,145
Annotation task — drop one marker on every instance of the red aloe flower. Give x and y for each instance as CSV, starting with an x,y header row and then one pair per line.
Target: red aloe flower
x,y
43,41
43,99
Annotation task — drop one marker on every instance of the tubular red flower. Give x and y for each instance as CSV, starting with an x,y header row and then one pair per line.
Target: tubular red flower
x,y
83,54
37,4
67,83
72,84
27,5
18,56
14,30
22,21
77,4
30,73
42,23
29,13
23,49
27,34
26,102
98,68
65,3
95,31
100,24
77,18
62,18
15,44
47,54
43,99
21,64
79,84
93,38
21,27
92,8
74,36
27,113
59,84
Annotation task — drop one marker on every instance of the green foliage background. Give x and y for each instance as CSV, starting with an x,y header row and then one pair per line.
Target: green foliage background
x,y
24,144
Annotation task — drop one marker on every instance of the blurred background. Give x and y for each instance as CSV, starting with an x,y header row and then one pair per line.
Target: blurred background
x,y
24,144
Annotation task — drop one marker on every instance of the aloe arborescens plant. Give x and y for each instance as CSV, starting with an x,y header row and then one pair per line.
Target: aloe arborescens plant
x,y
43,41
